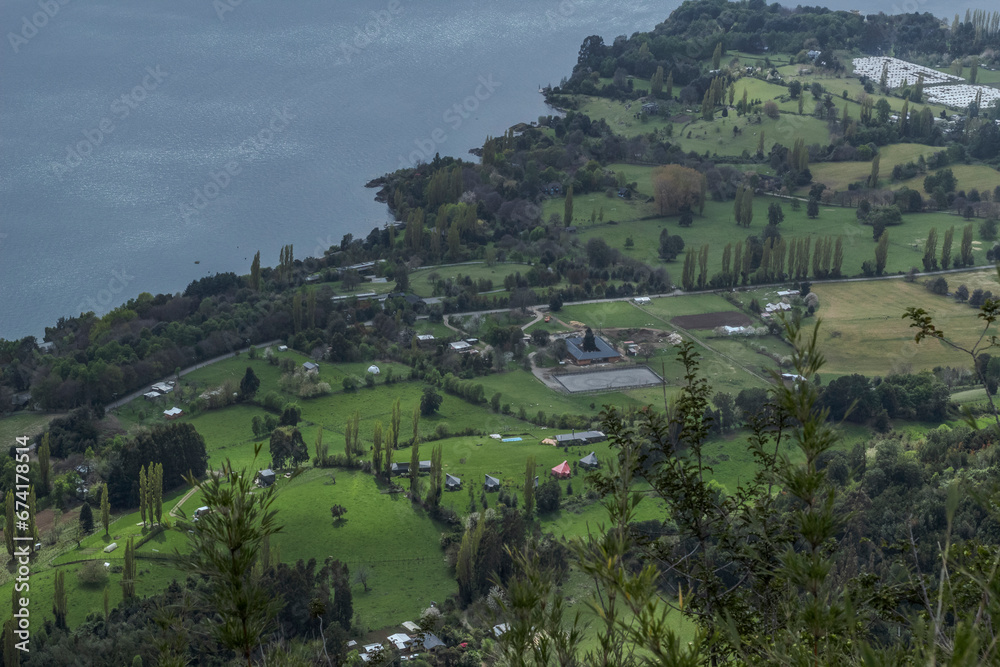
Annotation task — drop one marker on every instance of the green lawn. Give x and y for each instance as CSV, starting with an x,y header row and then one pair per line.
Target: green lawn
x,y
421,281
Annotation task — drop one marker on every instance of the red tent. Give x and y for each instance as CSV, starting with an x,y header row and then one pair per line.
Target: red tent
x,y
561,471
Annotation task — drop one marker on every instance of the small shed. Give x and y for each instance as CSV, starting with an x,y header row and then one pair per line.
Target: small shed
x,y
562,471
400,640
491,484
401,468
173,413
590,461
151,395
425,466
265,477
310,367
452,483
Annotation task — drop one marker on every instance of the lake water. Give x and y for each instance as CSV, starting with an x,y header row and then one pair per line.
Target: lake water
x,y
145,144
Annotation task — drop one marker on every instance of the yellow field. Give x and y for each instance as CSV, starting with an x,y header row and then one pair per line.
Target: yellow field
x,y
967,176
856,337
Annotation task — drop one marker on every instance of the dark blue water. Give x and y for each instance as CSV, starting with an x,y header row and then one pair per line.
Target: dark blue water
x,y
138,138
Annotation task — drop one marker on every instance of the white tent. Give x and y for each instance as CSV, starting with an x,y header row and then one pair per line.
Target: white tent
x,y
373,369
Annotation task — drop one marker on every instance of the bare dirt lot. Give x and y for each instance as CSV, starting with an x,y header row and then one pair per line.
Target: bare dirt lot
x,y
711,320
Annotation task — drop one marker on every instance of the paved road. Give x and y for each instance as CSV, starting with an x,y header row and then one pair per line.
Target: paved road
x,y
136,394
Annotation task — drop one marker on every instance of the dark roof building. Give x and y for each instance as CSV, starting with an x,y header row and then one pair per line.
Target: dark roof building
x,y
452,483
491,484
590,461
400,468
580,357
265,477
580,437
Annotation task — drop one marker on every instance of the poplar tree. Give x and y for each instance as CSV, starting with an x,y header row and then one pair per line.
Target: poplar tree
x,y
967,258
738,205
414,471
416,424
396,419
656,82
32,526
838,257
930,250
255,272
143,493
746,205
377,449
59,600
568,207
738,263
670,84
129,571
44,466
703,266
717,56
529,487
727,254
946,247
105,509
158,492
881,252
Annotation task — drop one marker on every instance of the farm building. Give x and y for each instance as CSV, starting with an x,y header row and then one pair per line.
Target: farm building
x,y
265,477
310,367
603,354
163,387
581,437
562,471
491,484
402,468
173,413
589,462
452,483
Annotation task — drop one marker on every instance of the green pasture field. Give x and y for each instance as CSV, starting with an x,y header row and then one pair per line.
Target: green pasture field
x,y
611,315
422,284
521,389
21,424
967,176
838,175
857,338
716,228
615,208
716,137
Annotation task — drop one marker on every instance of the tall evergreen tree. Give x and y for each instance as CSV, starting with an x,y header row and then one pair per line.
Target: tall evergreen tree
x,y
873,176
86,518
158,492
377,449
966,248
397,417
930,250
416,424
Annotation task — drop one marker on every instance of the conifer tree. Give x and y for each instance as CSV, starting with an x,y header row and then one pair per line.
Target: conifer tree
x,y
86,518
670,84
397,416
717,56
416,423
377,449
930,250
838,257
255,272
